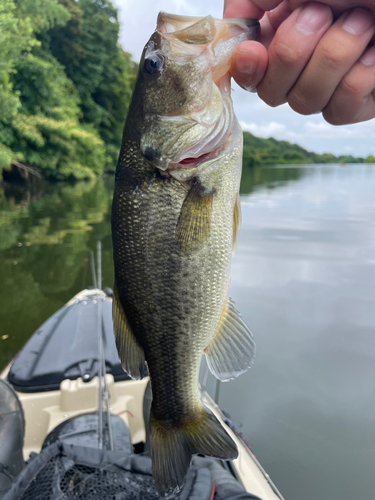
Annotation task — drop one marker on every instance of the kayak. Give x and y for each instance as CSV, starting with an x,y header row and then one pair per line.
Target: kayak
x,y
73,424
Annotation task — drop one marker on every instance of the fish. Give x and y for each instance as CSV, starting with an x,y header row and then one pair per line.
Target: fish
x,y
175,222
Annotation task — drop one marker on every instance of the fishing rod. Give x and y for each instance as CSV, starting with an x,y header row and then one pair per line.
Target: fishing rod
x,y
103,394
92,266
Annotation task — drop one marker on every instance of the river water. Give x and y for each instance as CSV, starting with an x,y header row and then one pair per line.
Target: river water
x,y
303,278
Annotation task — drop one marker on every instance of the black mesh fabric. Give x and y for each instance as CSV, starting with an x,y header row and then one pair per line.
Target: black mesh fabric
x,y
62,479
68,472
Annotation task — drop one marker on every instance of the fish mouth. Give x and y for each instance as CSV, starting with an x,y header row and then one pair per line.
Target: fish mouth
x,y
183,169
214,146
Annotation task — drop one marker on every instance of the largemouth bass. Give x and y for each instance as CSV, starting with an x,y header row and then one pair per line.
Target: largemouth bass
x,y
175,219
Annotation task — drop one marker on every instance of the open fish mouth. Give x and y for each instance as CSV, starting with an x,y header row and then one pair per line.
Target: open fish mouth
x,y
197,131
214,146
181,169
188,163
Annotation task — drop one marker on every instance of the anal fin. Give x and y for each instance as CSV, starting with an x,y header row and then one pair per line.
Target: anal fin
x,y
232,348
130,352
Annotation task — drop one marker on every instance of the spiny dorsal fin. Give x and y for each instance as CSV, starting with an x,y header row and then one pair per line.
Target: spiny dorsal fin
x,y
236,221
232,348
130,352
194,223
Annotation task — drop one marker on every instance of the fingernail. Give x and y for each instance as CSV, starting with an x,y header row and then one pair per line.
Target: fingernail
x,y
246,62
368,58
313,18
358,22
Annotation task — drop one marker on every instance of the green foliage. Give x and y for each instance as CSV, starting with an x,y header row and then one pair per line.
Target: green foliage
x,y
65,86
349,159
6,155
102,72
43,86
43,14
15,38
370,159
65,41
258,151
61,148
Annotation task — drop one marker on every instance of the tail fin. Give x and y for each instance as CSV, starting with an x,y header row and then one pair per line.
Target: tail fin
x,y
173,447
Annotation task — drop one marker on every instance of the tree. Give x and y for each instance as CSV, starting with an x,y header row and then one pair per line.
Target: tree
x,y
15,38
102,72
43,128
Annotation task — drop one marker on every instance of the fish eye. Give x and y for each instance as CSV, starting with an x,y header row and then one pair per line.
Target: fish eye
x,y
154,64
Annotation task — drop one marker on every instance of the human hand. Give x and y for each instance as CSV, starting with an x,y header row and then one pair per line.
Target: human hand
x,y
308,59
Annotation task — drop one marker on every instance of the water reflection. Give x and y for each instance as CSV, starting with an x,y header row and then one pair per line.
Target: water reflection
x,y
253,178
304,279
45,237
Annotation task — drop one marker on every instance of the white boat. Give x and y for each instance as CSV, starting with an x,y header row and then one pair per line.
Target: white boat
x,y
66,402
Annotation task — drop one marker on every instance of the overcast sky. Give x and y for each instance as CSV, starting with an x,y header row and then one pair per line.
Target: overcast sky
x,y
138,18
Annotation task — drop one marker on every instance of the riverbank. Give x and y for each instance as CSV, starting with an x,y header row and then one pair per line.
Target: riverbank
x,y
257,152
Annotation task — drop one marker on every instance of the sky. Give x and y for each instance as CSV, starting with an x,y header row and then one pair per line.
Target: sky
x,y
138,19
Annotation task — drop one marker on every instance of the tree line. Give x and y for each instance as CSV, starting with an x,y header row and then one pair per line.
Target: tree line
x,y
258,151
65,87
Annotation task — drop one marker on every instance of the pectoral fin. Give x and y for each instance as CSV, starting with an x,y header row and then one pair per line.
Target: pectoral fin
x,y
232,348
194,223
130,352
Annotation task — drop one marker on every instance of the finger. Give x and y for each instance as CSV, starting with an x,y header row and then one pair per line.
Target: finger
x,y
336,53
354,99
248,9
291,49
278,15
339,5
242,8
249,63
271,22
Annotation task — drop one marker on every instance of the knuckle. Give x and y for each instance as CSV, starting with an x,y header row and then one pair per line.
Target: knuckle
x,y
337,113
346,102
350,86
267,93
287,56
270,100
333,54
301,104
333,116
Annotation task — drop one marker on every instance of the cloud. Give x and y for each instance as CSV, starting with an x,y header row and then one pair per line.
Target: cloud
x,y
273,129
324,130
